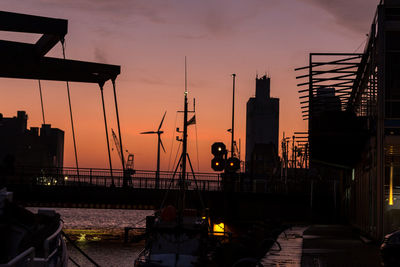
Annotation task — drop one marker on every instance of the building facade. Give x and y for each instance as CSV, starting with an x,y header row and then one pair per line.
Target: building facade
x,y
262,128
35,147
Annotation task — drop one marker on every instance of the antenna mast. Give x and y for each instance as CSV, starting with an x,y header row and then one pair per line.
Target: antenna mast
x,y
184,146
233,118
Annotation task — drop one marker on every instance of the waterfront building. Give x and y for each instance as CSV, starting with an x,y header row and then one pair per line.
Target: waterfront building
x,y
34,147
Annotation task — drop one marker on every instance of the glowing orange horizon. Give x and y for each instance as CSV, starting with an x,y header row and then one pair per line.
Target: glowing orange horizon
x,y
150,47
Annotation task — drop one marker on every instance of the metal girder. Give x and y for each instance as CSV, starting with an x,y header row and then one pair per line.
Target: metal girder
x,y
363,72
53,30
15,22
27,61
331,70
47,68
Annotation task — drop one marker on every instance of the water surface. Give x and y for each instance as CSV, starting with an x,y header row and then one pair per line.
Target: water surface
x,y
99,232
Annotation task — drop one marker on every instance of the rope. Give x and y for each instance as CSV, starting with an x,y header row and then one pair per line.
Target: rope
x,y
79,249
119,129
195,181
70,113
107,139
197,147
41,101
363,42
74,262
177,153
172,181
172,144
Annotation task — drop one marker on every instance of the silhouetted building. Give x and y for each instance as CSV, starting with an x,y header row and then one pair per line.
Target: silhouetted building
x,y
262,128
32,147
326,100
263,160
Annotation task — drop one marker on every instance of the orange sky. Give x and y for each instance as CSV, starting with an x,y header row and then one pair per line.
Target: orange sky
x,y
149,39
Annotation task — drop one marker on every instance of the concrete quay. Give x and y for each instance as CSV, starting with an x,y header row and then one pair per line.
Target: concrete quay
x,y
322,246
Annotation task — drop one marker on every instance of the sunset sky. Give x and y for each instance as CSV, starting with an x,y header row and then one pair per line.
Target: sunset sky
x,y
149,40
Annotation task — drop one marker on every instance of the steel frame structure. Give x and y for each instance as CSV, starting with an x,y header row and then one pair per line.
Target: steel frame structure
x,y
365,84
28,61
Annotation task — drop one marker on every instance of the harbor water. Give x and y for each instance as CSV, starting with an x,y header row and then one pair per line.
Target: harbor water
x,y
100,234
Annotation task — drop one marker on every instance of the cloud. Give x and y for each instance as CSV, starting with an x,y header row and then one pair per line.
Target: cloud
x,y
355,15
115,10
100,55
225,17
190,36
209,17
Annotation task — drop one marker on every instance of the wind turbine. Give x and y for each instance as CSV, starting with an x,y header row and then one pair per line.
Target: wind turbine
x,y
158,132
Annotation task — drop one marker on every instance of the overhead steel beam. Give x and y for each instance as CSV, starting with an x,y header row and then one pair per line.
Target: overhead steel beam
x,y
47,68
53,30
27,61
15,22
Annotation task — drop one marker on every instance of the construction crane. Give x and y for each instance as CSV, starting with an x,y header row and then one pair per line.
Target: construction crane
x,y
128,171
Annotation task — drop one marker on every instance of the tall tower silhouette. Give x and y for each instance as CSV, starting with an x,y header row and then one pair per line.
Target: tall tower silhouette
x,y
262,124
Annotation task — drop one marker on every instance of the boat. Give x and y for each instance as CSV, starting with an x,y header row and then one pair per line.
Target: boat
x,y
174,242
177,236
30,239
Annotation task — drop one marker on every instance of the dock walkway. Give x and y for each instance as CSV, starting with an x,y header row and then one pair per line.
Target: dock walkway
x,y
322,246
291,243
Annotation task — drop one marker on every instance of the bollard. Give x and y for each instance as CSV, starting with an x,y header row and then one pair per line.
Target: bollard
x,y
126,235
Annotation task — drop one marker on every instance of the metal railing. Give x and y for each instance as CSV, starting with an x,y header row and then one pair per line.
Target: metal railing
x,y
23,259
104,178
141,179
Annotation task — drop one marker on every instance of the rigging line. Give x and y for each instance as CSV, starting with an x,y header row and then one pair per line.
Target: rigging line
x,y
119,129
107,139
195,182
63,44
172,143
79,249
41,101
197,147
177,153
73,261
363,42
170,184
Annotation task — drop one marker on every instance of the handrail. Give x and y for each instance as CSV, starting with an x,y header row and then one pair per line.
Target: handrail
x,y
18,260
46,244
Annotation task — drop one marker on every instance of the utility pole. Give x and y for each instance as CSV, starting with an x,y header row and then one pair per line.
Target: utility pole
x,y
233,116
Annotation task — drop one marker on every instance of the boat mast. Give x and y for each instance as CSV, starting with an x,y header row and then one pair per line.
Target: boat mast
x,y
184,147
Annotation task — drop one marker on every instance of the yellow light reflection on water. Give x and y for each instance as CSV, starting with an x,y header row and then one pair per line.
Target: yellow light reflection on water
x,y
82,238
219,228
96,238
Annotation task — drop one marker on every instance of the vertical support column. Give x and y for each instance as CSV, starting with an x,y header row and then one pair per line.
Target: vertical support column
x,y
380,124
310,107
119,135
107,139
41,101
70,114
118,124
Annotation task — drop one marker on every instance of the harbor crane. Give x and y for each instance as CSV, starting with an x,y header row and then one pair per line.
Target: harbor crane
x,y
128,171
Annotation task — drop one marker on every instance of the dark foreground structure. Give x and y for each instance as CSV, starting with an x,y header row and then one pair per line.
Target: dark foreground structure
x,y
352,104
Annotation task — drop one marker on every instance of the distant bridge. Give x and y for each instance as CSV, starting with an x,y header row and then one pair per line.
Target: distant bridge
x,y
96,177
226,196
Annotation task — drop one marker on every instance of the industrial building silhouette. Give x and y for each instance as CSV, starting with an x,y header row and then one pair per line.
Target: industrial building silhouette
x,y
34,147
262,129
